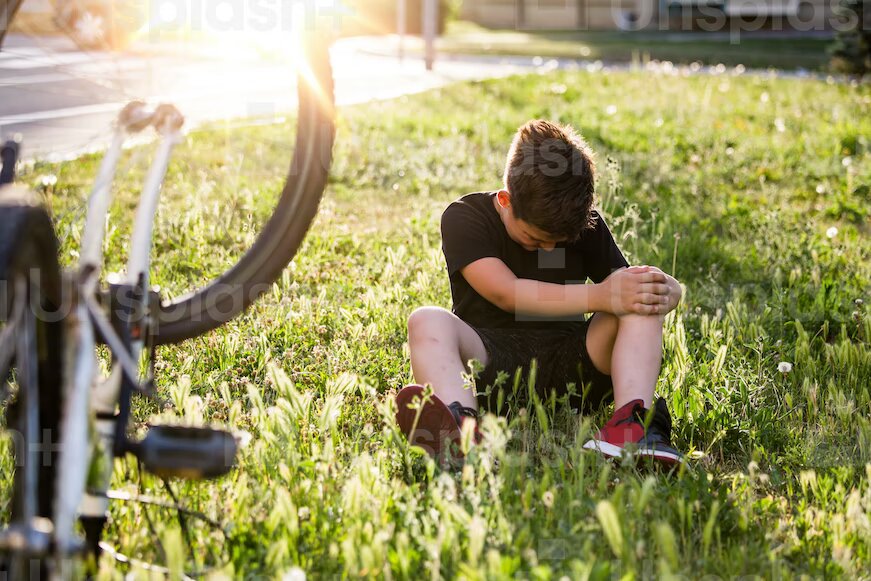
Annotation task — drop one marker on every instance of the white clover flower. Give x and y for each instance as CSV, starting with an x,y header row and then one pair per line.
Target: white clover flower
x,y
611,110
779,125
764,97
821,189
784,367
847,161
293,574
832,232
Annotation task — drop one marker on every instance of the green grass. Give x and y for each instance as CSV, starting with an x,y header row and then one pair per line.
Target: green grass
x,y
698,173
684,48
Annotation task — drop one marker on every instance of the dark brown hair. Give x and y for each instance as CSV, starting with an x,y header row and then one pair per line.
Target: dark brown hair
x,y
550,174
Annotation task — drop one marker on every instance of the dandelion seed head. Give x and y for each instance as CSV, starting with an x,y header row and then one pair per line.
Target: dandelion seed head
x,y
547,499
832,232
784,367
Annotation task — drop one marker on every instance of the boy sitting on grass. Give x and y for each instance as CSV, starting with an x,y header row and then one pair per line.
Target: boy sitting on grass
x,y
518,260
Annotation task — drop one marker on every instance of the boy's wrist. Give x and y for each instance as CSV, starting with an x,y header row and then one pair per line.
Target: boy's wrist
x,y
598,297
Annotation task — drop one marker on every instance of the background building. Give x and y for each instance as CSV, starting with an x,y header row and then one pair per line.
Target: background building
x,y
711,15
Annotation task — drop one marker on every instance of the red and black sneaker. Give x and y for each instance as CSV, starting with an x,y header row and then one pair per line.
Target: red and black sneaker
x,y
625,434
438,425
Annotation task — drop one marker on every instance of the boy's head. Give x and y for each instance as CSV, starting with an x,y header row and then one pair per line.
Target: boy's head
x,y
549,185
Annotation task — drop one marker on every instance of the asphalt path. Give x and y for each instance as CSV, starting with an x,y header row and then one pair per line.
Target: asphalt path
x,y
61,100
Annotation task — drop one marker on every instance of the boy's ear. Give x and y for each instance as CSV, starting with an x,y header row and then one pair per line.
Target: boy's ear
x,y
503,197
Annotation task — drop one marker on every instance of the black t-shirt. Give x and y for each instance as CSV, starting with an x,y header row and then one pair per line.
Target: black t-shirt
x,y
472,229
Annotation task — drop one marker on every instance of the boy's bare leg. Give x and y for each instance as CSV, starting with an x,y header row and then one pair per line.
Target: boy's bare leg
x,y
629,349
441,343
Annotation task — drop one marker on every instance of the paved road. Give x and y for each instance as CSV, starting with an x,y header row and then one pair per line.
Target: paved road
x,y
62,100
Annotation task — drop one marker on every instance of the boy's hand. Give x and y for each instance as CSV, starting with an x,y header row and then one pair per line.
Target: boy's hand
x,y
640,290
675,291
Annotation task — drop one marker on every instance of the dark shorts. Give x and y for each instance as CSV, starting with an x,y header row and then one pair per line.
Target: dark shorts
x,y
563,368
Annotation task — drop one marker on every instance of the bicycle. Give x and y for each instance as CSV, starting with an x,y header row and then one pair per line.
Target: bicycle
x,y
68,421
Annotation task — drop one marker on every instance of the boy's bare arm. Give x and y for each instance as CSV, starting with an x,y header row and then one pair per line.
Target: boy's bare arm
x,y
640,289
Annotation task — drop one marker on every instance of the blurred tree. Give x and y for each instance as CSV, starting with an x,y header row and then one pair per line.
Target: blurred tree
x,y
851,51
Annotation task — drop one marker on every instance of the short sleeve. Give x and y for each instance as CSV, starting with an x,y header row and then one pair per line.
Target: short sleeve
x,y
603,256
466,237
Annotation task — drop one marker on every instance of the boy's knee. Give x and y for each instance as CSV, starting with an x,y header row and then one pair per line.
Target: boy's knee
x,y
427,319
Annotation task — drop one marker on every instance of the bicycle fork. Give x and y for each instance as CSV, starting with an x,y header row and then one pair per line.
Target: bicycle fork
x,y
82,484
167,451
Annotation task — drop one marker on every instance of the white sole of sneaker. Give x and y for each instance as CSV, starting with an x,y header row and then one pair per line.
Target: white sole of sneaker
x,y
605,448
612,451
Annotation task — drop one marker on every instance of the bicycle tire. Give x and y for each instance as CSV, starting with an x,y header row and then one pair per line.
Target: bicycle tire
x,y
256,271
261,265
28,247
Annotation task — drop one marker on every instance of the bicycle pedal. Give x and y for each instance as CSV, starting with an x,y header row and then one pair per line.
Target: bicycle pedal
x,y
32,538
193,453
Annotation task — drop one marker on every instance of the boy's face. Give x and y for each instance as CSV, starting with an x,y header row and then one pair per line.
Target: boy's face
x,y
528,236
